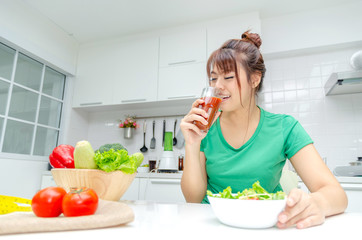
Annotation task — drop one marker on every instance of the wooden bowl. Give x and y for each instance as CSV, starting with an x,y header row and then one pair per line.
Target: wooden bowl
x,y
108,185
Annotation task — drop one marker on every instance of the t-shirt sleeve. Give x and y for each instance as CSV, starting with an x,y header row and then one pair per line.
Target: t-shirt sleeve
x,y
295,136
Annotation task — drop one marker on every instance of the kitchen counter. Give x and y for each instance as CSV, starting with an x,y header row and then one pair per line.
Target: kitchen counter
x,y
182,221
349,179
177,175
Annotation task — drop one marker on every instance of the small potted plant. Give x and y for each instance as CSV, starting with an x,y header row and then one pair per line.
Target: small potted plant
x,y
128,125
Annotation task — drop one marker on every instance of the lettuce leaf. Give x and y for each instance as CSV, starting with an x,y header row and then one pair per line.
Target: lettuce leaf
x,y
257,191
113,160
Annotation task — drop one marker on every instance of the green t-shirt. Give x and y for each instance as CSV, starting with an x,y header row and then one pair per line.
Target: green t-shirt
x,y
261,158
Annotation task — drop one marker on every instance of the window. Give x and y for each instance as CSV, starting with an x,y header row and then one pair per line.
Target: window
x,y
31,101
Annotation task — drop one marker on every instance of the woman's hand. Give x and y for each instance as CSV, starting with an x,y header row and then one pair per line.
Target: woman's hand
x,y
190,131
301,209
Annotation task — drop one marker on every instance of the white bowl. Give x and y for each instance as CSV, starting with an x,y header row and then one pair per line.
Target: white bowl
x,y
247,213
143,169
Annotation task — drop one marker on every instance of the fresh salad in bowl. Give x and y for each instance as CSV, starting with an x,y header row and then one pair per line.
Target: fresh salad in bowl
x,y
257,192
248,214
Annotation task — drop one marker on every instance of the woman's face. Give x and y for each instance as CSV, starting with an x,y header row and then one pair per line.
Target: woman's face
x,y
227,83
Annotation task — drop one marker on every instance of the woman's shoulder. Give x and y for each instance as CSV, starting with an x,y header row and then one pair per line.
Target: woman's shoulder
x,y
285,119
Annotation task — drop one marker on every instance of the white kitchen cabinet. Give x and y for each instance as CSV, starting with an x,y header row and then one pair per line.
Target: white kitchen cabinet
x,y
182,81
96,72
161,190
183,47
122,72
132,192
354,194
182,71
136,80
353,189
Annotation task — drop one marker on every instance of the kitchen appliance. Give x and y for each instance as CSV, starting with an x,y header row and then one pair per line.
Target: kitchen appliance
x,y
356,60
357,163
168,162
354,170
343,83
348,171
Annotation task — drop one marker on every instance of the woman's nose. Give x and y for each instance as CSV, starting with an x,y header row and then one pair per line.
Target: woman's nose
x,y
218,84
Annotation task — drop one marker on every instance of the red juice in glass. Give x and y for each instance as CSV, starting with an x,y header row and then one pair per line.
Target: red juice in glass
x,y
211,106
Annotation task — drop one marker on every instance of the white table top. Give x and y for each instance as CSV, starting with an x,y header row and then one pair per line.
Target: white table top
x,y
196,221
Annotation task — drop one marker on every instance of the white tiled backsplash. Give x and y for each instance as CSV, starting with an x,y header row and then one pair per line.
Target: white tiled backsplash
x,y
293,85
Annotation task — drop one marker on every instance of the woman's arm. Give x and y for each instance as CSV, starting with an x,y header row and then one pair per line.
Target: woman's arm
x,y
193,181
327,197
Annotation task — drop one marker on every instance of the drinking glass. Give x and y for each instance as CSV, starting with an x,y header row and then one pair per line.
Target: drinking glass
x,y
212,101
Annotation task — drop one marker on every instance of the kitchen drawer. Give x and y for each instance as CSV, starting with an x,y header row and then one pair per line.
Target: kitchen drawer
x,y
161,190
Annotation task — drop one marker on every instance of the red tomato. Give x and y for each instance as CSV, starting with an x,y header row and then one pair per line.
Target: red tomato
x,y
48,202
80,202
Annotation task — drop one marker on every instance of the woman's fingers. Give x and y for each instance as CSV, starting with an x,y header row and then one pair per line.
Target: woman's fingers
x,y
197,103
310,221
300,210
188,127
197,111
293,206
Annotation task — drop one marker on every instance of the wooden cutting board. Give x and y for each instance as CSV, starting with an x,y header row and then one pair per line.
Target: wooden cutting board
x,y
108,214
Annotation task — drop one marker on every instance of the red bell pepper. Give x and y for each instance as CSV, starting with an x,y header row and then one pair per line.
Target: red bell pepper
x,y
62,157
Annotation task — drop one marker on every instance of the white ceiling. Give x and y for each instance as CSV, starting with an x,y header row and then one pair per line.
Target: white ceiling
x,y
92,20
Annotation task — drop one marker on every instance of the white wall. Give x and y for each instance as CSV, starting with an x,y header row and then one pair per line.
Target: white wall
x,y
24,27
294,85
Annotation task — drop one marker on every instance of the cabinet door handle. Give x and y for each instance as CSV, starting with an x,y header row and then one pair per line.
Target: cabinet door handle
x,y
177,97
133,100
175,63
167,181
91,103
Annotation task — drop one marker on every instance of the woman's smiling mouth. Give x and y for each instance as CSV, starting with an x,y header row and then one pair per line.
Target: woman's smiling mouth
x,y
225,97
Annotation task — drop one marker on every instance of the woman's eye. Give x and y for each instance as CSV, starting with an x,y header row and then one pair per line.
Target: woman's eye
x,y
231,77
213,79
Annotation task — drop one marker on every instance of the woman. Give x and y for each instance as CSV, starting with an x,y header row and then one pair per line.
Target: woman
x,y
247,144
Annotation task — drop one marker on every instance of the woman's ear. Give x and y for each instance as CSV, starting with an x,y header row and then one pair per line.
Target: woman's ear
x,y
255,80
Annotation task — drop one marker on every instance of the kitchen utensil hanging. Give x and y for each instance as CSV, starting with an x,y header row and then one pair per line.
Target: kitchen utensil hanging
x,y
174,133
144,148
153,139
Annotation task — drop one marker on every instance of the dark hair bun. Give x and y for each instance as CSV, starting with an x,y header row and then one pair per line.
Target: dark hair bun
x,y
252,38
